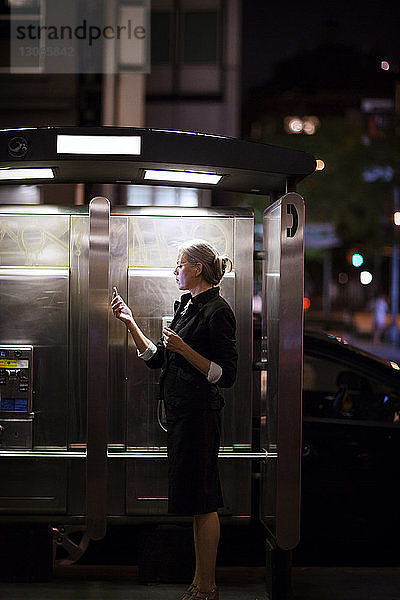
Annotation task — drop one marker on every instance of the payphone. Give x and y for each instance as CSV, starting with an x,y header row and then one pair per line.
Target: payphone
x,y
95,451
16,363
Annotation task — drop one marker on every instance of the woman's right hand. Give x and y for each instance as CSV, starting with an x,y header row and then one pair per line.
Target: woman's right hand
x,y
120,309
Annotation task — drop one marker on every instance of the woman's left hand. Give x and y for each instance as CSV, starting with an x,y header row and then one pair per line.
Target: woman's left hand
x,y
172,341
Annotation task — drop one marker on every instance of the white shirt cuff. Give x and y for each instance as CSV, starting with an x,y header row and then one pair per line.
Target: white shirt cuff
x,y
149,352
214,372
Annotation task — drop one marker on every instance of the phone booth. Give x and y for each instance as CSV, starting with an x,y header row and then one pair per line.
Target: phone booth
x,y
82,437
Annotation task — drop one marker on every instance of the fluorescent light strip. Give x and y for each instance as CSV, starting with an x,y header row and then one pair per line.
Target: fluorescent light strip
x,y
98,144
28,173
182,176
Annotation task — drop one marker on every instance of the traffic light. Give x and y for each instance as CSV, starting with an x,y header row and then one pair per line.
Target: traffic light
x,y
357,259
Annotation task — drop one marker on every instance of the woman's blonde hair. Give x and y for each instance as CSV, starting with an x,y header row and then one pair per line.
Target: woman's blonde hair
x,y
214,264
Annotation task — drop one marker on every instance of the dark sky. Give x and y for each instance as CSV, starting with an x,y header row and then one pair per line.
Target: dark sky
x,y
274,30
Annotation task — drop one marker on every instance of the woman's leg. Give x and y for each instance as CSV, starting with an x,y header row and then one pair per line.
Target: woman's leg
x,y
206,530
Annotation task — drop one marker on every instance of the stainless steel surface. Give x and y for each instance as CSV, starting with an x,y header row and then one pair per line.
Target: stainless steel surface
x,y
33,487
78,330
34,292
239,420
142,255
117,333
15,433
153,244
31,239
178,211
283,337
151,293
145,454
97,388
147,487
163,454
41,209
16,381
143,246
41,454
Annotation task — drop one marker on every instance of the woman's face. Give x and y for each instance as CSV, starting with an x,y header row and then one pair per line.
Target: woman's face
x,y
185,273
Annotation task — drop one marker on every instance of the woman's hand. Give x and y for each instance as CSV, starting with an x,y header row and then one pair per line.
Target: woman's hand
x,y
120,309
172,341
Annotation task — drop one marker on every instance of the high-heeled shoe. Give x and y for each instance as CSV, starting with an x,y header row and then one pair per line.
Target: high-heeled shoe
x,y
192,589
212,594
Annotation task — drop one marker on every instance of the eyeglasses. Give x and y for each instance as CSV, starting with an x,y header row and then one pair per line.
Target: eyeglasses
x,y
180,265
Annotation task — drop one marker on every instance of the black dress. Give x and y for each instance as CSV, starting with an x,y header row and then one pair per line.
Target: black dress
x,y
193,404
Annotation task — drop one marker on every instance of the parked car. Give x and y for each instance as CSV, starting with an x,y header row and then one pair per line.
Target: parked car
x,y
351,455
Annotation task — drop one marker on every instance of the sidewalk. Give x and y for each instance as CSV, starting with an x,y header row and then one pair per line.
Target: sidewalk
x,y
235,583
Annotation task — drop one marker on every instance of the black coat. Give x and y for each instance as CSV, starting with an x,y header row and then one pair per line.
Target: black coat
x,y
208,326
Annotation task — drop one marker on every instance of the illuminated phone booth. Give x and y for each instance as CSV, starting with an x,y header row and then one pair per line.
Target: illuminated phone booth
x,y
82,438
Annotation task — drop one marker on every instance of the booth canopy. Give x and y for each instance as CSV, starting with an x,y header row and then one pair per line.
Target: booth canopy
x,y
126,155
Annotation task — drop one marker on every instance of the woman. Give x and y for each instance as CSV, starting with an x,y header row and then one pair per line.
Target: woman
x,y
197,354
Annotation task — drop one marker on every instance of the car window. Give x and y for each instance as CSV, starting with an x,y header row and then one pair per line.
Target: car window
x,y
336,390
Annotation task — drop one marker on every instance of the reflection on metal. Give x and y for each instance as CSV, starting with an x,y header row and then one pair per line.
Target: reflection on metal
x,y
154,241
97,386
163,454
62,294
38,454
60,454
167,272
151,290
34,271
45,277
35,240
282,332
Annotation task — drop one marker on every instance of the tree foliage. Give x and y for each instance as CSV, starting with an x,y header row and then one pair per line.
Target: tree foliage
x,y
339,193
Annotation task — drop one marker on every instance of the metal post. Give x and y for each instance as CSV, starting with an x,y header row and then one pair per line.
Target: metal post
x,y
394,291
97,387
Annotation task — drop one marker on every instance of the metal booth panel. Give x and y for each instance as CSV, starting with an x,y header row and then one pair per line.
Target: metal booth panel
x,y
78,331
151,293
33,486
153,242
39,240
117,334
34,296
34,302
281,385
147,487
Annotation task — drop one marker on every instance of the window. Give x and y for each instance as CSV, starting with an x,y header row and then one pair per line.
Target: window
x,y
187,50
340,391
161,38
200,39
